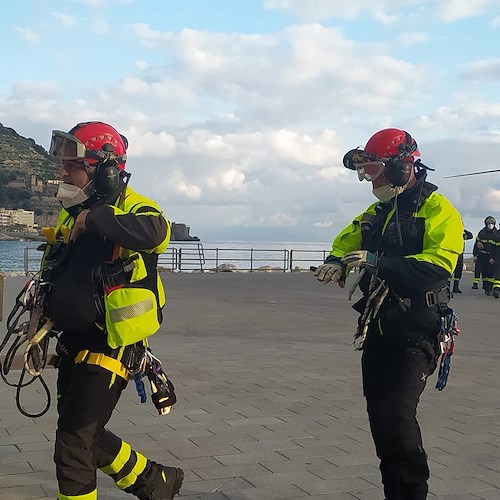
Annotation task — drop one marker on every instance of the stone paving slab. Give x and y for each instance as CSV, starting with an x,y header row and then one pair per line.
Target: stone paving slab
x,y
269,399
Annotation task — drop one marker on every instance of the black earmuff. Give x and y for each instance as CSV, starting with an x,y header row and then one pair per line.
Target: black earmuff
x,y
398,172
398,169
106,177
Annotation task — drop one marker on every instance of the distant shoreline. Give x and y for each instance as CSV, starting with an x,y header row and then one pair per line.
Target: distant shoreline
x,y
37,237
21,237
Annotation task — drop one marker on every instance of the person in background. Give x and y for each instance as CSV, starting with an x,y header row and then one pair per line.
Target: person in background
x,y
406,246
483,252
102,257
496,265
457,274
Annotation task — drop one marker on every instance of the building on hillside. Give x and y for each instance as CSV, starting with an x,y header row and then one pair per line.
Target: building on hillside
x,y
35,184
17,184
17,217
52,186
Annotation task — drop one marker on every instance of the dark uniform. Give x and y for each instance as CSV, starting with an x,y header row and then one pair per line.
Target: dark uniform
x,y
496,265
483,251
418,244
457,274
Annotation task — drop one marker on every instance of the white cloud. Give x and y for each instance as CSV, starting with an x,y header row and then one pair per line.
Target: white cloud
x,y
101,27
64,19
302,148
383,10
277,219
323,224
228,180
250,129
28,35
142,65
486,69
148,144
454,10
413,37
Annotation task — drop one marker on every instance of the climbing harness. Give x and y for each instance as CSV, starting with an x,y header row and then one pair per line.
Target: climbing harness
x,y
28,328
135,362
449,330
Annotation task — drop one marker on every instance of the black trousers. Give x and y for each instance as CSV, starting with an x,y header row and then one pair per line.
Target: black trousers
x,y
86,400
395,369
457,274
484,270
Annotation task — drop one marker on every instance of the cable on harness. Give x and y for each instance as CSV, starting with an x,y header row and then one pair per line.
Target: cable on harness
x,y
449,330
29,329
377,293
162,389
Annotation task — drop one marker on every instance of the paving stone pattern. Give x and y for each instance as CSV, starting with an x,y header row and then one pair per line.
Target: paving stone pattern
x,y
270,403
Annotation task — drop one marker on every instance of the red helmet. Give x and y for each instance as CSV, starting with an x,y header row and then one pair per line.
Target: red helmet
x,y
391,142
94,142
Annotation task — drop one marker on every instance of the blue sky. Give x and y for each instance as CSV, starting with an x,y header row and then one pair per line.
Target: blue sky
x,y
238,113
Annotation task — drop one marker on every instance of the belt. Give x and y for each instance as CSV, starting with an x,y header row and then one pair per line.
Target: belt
x,y
106,362
430,299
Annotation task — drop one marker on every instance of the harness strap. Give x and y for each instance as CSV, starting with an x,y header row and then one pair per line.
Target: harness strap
x,y
429,299
106,362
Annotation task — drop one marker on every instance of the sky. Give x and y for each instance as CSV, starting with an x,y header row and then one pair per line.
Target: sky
x,y
238,113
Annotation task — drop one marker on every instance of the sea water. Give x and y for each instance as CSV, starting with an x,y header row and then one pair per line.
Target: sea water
x,y
16,256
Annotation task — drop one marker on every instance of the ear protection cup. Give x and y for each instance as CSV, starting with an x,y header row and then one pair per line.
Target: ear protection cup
x,y
106,178
397,172
399,168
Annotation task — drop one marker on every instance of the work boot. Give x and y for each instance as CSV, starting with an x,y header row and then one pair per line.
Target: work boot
x,y
496,293
487,292
168,483
456,289
474,286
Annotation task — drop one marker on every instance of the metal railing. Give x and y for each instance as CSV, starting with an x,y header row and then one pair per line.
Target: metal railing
x,y
194,257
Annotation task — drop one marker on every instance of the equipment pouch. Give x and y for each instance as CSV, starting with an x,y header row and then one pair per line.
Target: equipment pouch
x,y
131,315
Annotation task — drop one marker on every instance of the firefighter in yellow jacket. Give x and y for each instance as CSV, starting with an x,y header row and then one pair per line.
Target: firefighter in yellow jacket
x,y
106,299
406,246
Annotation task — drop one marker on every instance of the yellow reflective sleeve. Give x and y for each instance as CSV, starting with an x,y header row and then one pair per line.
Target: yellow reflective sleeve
x,y
349,238
443,236
132,202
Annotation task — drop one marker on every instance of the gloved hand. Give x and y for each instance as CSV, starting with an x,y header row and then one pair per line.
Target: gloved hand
x,y
331,273
361,258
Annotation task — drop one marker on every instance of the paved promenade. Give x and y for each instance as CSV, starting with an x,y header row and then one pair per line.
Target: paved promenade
x,y
270,404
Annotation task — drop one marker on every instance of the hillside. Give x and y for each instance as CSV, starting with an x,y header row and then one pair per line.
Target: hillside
x,y
25,169
27,174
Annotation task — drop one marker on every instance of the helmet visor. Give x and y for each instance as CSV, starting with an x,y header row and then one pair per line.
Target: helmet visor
x,y
66,146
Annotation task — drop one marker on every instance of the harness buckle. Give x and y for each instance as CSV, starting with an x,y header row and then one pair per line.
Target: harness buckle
x,y
441,297
431,299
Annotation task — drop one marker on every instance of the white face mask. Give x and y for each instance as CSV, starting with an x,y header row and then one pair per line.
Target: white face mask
x,y
490,226
387,193
70,195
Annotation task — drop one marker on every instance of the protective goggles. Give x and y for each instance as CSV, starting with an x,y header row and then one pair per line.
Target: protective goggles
x,y
66,146
368,166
